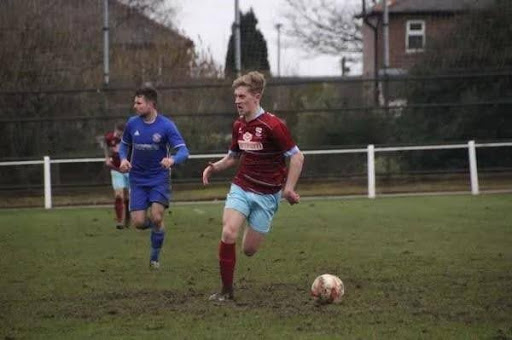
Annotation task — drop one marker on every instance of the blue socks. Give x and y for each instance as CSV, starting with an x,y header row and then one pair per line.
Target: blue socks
x,y
157,239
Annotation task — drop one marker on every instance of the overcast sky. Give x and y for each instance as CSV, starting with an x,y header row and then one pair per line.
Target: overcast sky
x,y
208,24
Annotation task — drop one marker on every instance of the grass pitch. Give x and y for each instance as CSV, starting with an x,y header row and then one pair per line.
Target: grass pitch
x,y
422,267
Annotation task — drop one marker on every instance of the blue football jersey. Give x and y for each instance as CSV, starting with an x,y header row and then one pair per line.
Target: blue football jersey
x,y
149,144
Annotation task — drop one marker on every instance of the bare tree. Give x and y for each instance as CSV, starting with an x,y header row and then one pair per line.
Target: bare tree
x,y
323,26
50,47
162,11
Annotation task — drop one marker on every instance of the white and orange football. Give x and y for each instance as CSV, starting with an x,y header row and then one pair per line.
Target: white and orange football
x,y
327,288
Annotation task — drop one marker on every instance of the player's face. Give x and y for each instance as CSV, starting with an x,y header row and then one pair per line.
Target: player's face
x,y
142,106
246,102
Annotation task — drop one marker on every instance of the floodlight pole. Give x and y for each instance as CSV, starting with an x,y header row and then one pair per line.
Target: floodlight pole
x,y
278,27
385,33
238,49
106,71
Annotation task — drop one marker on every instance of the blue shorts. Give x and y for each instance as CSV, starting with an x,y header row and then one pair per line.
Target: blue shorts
x,y
119,180
259,209
141,196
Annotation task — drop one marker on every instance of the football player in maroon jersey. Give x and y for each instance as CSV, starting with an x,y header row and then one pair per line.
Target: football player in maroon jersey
x,y
260,144
119,179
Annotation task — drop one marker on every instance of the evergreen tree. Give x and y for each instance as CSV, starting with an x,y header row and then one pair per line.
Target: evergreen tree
x,y
254,53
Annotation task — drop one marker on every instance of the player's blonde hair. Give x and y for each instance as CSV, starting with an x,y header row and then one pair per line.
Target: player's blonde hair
x,y
254,80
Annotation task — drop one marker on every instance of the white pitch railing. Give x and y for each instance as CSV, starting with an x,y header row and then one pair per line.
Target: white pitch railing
x,y
370,150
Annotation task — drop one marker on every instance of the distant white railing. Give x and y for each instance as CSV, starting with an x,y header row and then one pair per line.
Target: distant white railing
x,y
370,150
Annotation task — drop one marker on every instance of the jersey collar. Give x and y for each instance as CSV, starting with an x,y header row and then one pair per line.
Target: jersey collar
x,y
259,112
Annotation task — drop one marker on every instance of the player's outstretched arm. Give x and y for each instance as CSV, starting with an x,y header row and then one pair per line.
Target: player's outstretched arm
x,y
294,171
226,162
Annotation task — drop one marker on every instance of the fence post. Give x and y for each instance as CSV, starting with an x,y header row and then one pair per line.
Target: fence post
x,y
371,171
47,183
473,169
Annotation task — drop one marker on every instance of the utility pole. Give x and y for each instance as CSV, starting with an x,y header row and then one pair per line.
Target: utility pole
x,y
278,27
238,49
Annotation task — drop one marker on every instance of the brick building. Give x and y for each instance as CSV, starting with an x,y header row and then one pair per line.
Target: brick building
x,y
412,25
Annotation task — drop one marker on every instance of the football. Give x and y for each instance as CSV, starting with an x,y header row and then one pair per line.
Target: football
x,y
327,288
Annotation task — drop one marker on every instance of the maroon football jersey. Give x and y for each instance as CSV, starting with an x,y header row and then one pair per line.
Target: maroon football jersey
x,y
261,143
112,141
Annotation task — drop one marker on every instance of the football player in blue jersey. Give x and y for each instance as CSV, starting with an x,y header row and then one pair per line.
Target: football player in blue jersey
x,y
150,136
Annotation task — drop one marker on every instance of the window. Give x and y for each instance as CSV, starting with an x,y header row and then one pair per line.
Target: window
x,y
415,36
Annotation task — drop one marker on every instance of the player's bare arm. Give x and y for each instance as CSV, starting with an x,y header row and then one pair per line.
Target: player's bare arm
x,y
294,171
108,160
226,162
104,147
110,164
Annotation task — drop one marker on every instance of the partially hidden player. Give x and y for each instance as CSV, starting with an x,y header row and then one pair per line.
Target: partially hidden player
x,y
120,181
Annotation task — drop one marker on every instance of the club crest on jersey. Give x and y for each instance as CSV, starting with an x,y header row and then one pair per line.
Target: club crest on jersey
x,y
247,136
248,144
258,131
157,138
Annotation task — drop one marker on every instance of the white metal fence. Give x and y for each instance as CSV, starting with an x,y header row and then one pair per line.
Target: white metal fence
x,y
370,150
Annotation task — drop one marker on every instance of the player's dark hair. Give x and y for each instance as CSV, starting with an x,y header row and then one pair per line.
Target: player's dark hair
x,y
149,93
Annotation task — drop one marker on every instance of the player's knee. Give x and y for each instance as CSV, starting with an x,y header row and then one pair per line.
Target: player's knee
x,y
229,233
250,251
157,219
138,222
